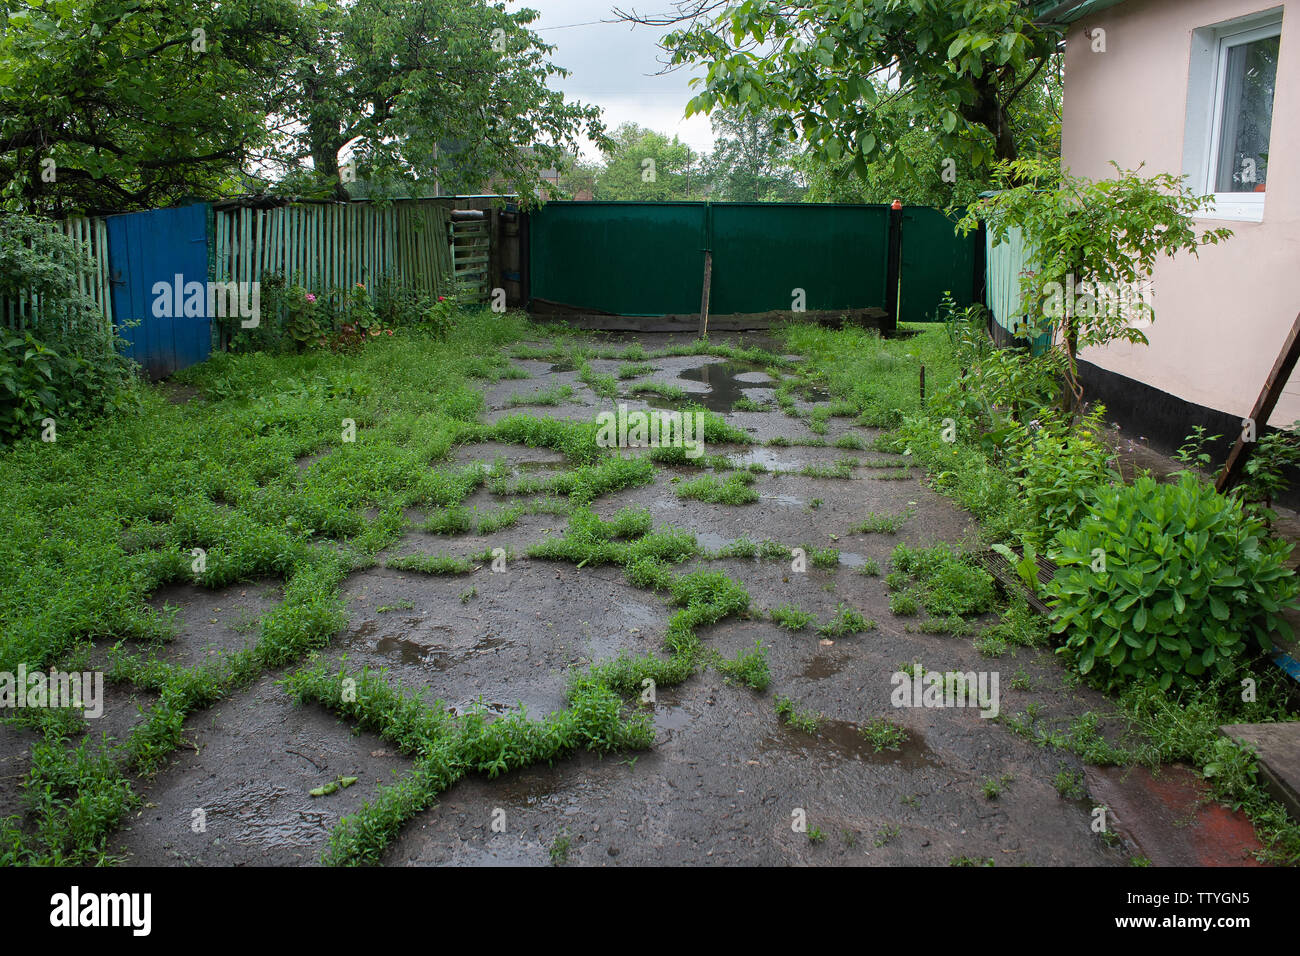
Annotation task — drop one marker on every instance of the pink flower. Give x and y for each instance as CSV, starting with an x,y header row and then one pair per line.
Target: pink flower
x,y
389,331
311,297
440,298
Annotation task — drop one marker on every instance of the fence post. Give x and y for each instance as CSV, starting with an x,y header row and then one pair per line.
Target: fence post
x,y
708,269
894,263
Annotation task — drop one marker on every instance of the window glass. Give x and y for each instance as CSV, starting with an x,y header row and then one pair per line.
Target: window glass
x,y
1249,76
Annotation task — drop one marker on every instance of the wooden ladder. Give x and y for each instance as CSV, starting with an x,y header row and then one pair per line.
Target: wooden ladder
x,y
471,247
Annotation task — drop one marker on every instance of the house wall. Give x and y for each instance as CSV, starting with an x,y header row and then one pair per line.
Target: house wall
x,y
1220,319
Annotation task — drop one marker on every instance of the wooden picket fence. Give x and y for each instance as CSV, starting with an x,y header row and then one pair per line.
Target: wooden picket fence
x,y
325,246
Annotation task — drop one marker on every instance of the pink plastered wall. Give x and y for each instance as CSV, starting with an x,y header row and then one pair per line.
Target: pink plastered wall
x,y
1220,318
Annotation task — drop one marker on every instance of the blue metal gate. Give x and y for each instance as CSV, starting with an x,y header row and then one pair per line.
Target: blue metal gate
x,y
152,257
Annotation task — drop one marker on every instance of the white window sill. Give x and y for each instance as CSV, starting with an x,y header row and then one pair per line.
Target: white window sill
x,y
1235,207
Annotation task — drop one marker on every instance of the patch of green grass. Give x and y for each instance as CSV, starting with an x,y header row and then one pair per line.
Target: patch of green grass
x,y
629,371
748,667
1069,784
746,404
431,564
903,604
742,547
735,489
806,721
606,386
661,389
557,395
825,558
869,568
885,834
875,523
446,748
883,734
498,520
944,582
953,624
993,786
560,849
845,622
792,618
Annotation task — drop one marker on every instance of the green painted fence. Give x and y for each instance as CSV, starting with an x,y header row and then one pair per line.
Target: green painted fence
x,y
763,252
644,259
335,245
1008,262
935,261
630,258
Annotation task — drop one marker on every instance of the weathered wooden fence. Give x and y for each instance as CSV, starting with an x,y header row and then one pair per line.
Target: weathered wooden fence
x,y
334,245
92,235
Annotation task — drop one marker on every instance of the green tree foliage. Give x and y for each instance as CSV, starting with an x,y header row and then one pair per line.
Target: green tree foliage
x,y
750,161
647,166
113,105
816,64
449,89
931,175
120,104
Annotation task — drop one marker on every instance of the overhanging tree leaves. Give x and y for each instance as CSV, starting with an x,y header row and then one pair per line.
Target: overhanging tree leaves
x,y
109,105
814,62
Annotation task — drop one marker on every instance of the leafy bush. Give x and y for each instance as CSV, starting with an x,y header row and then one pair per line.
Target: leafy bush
x,y
64,360
1061,468
1186,583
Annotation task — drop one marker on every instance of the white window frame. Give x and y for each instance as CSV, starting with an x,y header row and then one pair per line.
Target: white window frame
x,y
1206,88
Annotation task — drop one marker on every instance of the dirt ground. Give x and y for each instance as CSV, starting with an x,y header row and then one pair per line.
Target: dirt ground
x,y
726,777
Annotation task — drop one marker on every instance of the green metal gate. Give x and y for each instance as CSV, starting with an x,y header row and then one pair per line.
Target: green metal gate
x,y
936,260
647,259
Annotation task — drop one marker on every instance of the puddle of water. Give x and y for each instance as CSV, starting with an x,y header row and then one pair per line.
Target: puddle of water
x,y
563,367
711,540
851,560
840,740
769,458
727,382
669,718
790,500
822,666
411,652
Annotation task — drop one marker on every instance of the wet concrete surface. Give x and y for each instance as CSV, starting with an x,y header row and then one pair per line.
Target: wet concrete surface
x,y
725,778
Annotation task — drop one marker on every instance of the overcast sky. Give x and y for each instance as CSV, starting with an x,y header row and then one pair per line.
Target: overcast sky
x,y
614,66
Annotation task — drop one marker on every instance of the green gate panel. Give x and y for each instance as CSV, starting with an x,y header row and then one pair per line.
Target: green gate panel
x,y
763,251
643,259
936,259
630,258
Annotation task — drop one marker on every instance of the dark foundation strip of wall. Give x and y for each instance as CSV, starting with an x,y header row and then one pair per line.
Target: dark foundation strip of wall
x,y
1164,421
